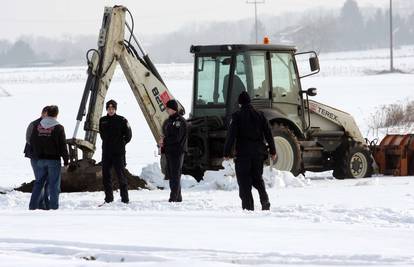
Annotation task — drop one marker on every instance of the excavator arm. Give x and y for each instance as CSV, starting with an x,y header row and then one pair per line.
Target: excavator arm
x,y
147,86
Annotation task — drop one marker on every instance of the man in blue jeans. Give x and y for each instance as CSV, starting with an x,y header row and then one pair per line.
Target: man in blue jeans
x,y
42,202
49,145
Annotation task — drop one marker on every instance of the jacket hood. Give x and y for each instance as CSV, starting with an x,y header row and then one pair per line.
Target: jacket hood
x,y
48,122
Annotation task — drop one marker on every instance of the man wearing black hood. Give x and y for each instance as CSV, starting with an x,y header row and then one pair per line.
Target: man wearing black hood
x,y
174,145
115,133
248,129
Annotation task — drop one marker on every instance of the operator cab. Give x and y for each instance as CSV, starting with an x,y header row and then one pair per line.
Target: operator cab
x,y
221,72
267,72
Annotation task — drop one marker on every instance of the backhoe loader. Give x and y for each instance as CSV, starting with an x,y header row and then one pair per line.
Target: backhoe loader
x,y
309,136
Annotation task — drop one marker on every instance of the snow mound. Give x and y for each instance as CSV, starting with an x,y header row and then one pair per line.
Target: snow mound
x,y
281,179
4,93
220,180
4,190
155,178
224,179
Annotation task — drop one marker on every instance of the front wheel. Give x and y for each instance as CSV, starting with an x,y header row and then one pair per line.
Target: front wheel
x,y
354,162
287,149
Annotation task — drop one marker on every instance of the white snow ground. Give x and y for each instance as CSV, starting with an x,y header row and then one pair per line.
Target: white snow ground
x,y
314,222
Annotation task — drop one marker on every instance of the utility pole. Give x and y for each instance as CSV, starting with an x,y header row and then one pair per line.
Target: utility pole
x,y
255,2
391,41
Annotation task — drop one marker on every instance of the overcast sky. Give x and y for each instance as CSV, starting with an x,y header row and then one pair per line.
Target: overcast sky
x,y
55,18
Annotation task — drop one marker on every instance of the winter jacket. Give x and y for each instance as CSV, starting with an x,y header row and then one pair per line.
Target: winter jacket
x,y
248,129
115,133
175,135
48,140
28,150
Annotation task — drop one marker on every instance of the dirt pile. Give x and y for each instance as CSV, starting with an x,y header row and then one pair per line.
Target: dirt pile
x,y
87,177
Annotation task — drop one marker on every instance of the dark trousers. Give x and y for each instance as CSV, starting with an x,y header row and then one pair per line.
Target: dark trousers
x,y
118,163
173,174
249,171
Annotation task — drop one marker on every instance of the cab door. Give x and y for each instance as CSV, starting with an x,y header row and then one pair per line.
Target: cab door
x,y
211,75
286,97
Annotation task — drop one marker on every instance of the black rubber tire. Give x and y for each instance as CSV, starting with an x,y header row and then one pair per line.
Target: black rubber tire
x,y
286,140
354,162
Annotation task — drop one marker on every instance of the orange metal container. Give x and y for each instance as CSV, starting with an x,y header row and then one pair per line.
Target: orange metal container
x,y
395,155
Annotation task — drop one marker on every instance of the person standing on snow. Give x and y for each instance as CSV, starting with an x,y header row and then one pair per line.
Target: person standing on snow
x,y
174,146
48,140
115,133
43,202
248,129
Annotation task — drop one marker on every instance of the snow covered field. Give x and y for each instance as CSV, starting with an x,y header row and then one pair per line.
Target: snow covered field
x,y
329,223
321,221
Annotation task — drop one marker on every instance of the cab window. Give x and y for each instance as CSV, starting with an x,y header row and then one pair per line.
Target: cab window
x,y
211,74
260,88
251,70
284,79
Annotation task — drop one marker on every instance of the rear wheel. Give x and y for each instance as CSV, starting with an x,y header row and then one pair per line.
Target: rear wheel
x,y
354,162
287,149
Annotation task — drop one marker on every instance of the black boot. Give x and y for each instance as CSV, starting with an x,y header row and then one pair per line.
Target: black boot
x,y
266,206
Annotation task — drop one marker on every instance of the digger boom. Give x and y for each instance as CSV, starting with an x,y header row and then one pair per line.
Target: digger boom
x,y
146,84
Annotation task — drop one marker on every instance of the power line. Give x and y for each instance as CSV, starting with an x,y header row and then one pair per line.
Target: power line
x,y
391,41
255,2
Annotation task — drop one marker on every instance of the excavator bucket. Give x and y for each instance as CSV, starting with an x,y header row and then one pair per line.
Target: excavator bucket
x,y
395,155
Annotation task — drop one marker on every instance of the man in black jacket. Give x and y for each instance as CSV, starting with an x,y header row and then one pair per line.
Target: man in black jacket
x,y
115,133
43,202
248,129
174,145
49,145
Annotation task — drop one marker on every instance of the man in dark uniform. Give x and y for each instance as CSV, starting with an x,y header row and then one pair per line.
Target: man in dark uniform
x,y
248,129
174,145
115,133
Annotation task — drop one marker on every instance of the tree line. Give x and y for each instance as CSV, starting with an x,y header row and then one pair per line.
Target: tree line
x,y
350,28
